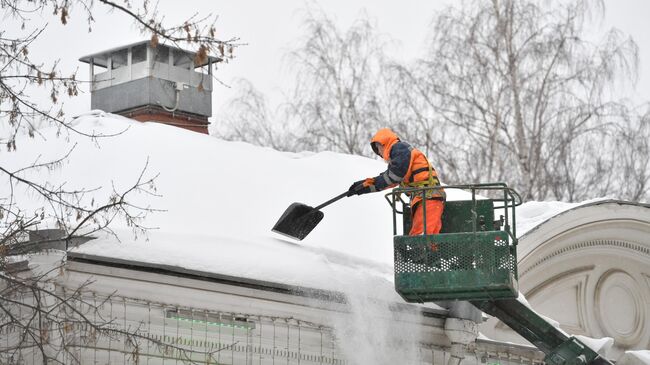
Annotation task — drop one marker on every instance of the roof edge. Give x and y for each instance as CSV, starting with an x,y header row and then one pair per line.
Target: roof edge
x,y
301,291
86,58
587,205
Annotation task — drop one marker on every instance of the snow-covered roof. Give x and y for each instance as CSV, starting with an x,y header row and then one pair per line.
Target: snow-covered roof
x,y
220,200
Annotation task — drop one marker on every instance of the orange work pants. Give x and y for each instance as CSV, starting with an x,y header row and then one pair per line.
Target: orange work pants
x,y
434,217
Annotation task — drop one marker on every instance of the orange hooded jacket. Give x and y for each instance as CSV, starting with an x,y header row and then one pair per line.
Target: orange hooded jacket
x,y
407,166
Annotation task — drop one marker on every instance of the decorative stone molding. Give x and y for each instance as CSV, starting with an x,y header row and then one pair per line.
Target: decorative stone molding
x,y
644,250
617,290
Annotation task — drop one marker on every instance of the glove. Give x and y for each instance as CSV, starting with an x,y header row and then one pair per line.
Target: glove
x,y
362,187
356,186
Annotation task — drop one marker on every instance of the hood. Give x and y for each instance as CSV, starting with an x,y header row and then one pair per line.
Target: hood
x,y
386,138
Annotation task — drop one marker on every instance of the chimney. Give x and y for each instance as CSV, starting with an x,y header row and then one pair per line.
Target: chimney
x,y
153,84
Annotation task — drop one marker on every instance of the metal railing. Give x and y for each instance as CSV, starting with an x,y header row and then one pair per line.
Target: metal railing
x,y
505,198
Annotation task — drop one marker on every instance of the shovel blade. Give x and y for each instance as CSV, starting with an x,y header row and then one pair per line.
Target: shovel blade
x,y
297,221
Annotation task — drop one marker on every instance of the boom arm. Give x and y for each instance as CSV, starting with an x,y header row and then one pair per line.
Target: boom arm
x,y
559,348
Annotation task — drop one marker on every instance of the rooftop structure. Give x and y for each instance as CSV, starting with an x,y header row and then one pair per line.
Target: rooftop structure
x,y
163,84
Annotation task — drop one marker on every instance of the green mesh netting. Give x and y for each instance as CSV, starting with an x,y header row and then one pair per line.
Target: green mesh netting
x,y
475,266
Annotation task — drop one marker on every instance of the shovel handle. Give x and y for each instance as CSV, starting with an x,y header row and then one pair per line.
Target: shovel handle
x,y
338,197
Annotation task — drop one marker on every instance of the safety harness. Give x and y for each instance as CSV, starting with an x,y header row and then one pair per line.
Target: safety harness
x,y
433,194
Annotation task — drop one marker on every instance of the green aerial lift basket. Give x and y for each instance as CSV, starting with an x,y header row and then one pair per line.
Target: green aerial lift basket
x,y
474,258
446,266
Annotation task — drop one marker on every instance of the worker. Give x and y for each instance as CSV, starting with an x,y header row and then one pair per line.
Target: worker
x,y
408,167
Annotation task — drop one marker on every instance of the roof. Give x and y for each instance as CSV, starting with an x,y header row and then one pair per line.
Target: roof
x,y
103,54
218,210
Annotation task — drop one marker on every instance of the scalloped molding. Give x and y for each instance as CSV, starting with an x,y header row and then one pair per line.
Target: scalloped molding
x,y
586,244
576,278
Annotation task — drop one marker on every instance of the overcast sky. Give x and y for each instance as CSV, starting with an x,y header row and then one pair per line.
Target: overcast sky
x,y
272,28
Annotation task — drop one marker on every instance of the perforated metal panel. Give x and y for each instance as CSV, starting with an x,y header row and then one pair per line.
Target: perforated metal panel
x,y
475,266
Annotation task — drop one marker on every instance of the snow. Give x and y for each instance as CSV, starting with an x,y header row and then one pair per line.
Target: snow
x,y
640,357
274,259
220,200
530,214
533,213
600,345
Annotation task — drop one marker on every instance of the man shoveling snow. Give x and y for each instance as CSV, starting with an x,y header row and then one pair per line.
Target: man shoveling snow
x,y
408,167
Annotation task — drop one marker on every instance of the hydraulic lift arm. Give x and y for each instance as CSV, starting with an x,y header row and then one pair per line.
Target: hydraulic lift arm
x,y
559,348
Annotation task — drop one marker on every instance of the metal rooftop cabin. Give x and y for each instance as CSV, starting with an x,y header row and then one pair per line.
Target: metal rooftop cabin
x,y
161,84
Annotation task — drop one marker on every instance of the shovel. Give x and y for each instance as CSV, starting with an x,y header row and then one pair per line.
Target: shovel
x,y
300,219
